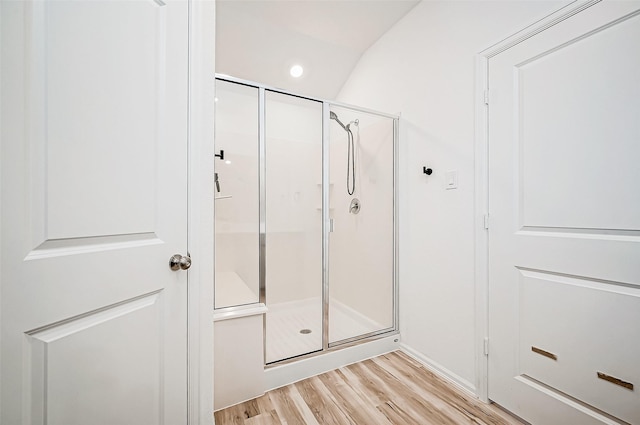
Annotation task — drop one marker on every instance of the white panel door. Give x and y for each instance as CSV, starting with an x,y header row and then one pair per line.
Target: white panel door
x,y
564,207
94,203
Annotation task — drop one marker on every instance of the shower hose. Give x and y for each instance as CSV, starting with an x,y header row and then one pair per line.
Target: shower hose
x,y
351,163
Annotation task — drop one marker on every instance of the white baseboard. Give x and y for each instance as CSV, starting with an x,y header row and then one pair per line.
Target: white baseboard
x,y
441,371
279,376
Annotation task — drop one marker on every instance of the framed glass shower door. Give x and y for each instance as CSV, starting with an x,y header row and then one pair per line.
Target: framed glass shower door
x,y
293,268
362,250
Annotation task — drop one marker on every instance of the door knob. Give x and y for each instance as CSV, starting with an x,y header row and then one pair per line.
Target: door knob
x,y
177,262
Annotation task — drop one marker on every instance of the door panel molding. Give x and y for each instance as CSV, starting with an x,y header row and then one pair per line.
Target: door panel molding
x,y
482,221
63,328
543,179
62,247
72,352
72,157
598,416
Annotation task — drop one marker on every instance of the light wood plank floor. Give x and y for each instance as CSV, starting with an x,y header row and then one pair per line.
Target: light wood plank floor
x,y
389,389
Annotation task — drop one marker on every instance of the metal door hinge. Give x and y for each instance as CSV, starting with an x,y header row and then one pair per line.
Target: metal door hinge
x,y
330,225
486,97
486,346
486,221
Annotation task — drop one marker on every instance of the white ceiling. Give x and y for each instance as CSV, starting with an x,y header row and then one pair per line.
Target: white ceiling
x,y
259,40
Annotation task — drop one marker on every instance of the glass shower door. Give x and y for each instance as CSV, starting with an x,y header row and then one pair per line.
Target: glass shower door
x,y
361,244
293,226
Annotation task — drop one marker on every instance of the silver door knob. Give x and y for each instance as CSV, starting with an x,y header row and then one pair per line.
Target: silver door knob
x,y
177,262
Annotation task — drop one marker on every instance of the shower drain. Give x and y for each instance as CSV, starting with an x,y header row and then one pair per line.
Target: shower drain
x,y
305,331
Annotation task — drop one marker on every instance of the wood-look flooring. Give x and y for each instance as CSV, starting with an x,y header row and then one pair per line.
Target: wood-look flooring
x,y
389,389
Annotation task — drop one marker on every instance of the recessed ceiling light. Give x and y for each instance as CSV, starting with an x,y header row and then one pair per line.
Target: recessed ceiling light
x,y
296,71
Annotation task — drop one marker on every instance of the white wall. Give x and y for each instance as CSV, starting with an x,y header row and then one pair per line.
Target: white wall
x,y
423,68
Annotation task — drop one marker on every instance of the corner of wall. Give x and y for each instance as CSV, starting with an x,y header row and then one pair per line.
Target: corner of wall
x,y
440,370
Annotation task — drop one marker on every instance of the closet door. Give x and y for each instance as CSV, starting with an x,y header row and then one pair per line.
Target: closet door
x,y
94,204
564,207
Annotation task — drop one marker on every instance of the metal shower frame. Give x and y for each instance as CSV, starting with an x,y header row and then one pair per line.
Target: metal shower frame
x,y
326,345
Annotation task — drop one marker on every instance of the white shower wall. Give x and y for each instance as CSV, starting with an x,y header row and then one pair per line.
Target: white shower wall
x,y
236,217
294,198
237,203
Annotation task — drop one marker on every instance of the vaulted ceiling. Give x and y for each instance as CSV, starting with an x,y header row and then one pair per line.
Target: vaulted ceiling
x,y
260,40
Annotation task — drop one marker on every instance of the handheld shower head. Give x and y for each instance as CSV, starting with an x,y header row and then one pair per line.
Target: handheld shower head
x,y
333,116
351,154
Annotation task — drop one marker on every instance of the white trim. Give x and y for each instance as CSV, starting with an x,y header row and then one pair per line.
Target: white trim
x,y
481,259
537,27
1,144
200,210
440,370
238,312
481,179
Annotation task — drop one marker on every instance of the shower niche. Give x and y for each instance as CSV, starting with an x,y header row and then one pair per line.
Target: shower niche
x,y
305,219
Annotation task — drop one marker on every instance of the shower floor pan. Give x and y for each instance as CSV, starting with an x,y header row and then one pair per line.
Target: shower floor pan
x,y
295,328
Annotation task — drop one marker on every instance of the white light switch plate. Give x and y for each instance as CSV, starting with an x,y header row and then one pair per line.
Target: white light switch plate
x,y
451,179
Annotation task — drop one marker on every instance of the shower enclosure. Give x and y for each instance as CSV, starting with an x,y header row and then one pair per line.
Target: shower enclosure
x,y
305,217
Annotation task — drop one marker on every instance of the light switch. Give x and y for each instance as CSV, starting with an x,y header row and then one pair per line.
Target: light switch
x,y
451,179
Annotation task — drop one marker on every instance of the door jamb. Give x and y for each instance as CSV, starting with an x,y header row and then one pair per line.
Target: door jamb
x,y
200,212
481,181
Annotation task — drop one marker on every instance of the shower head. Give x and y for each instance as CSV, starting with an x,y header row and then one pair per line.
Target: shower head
x,y
333,116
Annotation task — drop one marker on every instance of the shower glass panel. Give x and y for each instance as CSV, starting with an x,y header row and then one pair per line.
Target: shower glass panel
x,y
293,226
361,244
236,195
